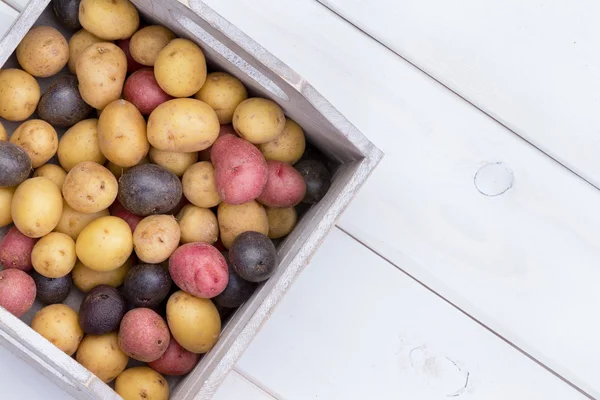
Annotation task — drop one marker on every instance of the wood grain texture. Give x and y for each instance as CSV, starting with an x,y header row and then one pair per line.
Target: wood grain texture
x,y
525,262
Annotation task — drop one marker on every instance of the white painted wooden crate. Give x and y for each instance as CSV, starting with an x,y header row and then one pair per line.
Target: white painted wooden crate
x,y
228,49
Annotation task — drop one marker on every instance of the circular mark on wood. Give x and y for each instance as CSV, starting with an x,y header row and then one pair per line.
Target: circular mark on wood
x,y
493,179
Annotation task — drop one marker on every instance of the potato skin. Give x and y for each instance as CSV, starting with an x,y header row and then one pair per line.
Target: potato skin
x,y
194,322
132,65
38,138
15,164
155,238
109,20
72,222
180,68
101,355
142,90
143,335
287,147
198,225
67,13
43,52
199,185
240,170
53,172
19,94
176,361
53,256
281,221
134,381
183,125
61,105
105,244
235,219
85,279
6,195
122,134
3,134
258,120
77,44
15,250
204,155
199,269
90,188
223,92
146,43
174,161
59,324
80,143
118,171
101,70
36,207
17,291
285,186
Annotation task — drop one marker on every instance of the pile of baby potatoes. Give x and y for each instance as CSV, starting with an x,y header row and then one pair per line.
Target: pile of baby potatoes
x,y
160,202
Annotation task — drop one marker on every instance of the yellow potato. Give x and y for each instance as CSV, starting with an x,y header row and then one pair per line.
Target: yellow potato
x,y
155,238
281,221
180,68
102,356
105,244
72,222
118,171
3,135
19,94
80,41
90,188
198,225
53,256
59,324
194,322
6,195
85,279
223,92
43,51
122,134
287,147
36,207
101,70
38,138
109,20
146,43
258,120
53,172
234,220
80,143
142,383
199,185
174,161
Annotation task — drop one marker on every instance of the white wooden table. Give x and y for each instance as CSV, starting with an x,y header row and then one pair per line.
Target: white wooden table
x,y
467,267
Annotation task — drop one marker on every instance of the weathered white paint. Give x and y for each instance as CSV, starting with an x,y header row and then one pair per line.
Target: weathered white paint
x,y
7,16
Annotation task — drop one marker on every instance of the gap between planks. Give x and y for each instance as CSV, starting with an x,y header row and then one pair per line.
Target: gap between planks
x,y
255,383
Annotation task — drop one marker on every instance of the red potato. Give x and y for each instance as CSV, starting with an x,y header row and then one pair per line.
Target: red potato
x,y
199,269
117,210
204,155
132,65
17,291
175,361
15,250
142,90
143,335
285,186
240,170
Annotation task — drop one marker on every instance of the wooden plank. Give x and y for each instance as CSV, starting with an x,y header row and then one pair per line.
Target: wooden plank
x,y
236,386
532,65
7,17
524,263
357,328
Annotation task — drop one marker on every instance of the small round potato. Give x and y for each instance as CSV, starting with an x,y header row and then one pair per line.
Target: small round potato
x,y
285,186
85,279
53,172
43,51
90,188
183,125
36,207
15,250
287,147
174,161
109,20
141,383
105,244
6,195
146,43
199,185
176,361
17,291
122,134
199,269
80,41
72,222
155,238
15,164
198,225
101,355
53,256
194,322
258,120
223,92
142,90
80,143
143,335
3,134
59,324
19,94
38,138
281,221
180,68
234,220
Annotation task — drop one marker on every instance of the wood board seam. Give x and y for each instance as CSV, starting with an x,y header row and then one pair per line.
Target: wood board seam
x,y
255,383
